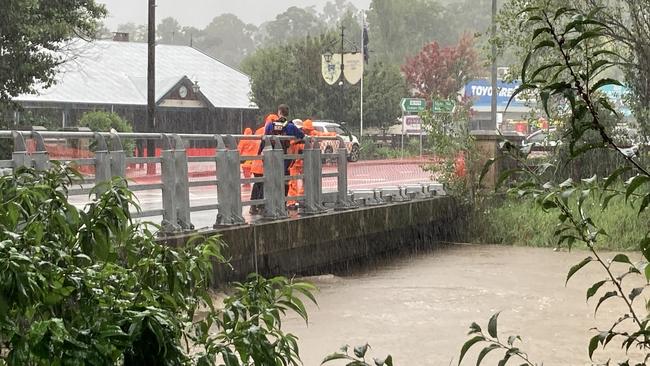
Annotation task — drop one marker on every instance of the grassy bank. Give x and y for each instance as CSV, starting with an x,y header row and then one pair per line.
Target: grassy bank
x,y
520,222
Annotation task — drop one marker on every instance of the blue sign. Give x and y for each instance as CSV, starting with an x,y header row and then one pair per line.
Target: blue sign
x,y
480,92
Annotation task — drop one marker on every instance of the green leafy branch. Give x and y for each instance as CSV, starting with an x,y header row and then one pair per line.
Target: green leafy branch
x,y
493,343
358,358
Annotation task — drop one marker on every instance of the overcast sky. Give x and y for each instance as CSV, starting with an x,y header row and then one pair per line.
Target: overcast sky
x,y
199,13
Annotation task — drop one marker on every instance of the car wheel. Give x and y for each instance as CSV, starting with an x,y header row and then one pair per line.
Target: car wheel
x,y
355,154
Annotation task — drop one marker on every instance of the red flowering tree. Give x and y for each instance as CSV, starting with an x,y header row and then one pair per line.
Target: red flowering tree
x,y
440,72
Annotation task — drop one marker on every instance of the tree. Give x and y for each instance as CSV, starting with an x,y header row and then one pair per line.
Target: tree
x,y
440,72
32,34
227,39
334,11
399,28
384,89
169,31
295,22
292,74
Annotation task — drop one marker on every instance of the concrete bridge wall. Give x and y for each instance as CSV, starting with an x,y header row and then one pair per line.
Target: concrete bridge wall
x,y
317,244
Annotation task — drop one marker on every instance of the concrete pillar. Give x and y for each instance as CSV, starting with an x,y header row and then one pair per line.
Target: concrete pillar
x,y
487,145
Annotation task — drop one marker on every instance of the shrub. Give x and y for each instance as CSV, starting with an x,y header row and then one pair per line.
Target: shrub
x,y
100,121
94,287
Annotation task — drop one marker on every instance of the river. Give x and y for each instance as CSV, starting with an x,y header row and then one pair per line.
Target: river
x,y
418,307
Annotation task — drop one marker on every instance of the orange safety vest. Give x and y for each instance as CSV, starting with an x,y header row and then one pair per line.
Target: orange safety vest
x,y
258,165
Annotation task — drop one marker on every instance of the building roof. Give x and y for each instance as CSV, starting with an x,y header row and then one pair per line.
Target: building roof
x,y
115,73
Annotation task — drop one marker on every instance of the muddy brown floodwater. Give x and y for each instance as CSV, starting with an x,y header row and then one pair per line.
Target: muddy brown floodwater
x,y
418,308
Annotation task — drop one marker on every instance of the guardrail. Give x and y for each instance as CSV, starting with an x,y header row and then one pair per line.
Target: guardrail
x,y
110,160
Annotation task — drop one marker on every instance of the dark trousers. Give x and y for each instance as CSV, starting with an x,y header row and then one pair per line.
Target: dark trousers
x,y
257,193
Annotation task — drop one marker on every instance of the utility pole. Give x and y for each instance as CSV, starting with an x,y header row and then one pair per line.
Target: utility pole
x,y
151,84
342,82
493,122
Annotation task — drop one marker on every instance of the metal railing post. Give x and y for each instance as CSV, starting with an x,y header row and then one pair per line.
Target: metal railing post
x,y
342,201
168,178
274,203
40,156
20,157
102,164
118,157
182,191
312,178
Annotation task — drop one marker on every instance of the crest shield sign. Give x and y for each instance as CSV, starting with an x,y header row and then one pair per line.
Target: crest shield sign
x,y
353,67
331,70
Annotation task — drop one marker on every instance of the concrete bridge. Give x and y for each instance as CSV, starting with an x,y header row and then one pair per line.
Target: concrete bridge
x,y
334,224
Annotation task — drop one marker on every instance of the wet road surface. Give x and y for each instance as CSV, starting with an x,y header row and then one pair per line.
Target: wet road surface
x,y
419,308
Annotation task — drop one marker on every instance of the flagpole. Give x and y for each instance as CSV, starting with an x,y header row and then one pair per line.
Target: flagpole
x,y
363,67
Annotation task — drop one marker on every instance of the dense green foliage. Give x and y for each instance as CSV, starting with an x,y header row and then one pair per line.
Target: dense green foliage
x,y
291,74
94,287
513,221
30,31
101,121
91,284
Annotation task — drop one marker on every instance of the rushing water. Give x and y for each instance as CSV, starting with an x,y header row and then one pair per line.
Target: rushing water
x,y
419,308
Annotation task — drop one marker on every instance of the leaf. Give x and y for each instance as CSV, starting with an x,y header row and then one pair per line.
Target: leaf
x,y
335,356
607,295
474,328
486,169
544,44
593,345
635,292
524,67
469,345
512,339
644,203
634,183
360,351
621,258
484,352
492,325
577,267
604,82
617,173
594,289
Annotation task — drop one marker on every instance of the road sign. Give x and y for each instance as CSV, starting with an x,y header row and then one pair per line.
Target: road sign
x,y
413,105
412,125
443,106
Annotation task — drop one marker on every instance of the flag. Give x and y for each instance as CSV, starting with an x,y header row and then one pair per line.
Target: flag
x,y
366,40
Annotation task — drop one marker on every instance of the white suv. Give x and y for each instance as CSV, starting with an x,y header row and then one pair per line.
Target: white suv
x,y
351,141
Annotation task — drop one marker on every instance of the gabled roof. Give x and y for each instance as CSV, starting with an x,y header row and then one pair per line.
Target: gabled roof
x,y
114,73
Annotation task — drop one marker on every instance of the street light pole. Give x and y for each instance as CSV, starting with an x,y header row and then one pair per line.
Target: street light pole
x,y
151,83
493,122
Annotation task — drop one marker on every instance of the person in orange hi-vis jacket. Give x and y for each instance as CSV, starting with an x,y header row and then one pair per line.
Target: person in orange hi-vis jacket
x,y
247,148
257,167
297,167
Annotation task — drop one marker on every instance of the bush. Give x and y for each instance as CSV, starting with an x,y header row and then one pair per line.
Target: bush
x,y
93,287
100,121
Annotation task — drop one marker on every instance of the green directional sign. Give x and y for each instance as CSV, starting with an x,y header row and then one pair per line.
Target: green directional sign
x,y
443,106
413,105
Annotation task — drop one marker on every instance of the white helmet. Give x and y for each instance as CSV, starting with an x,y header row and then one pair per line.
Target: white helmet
x,y
297,122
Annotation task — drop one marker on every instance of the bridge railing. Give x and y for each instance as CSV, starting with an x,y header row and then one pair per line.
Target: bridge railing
x,y
109,159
